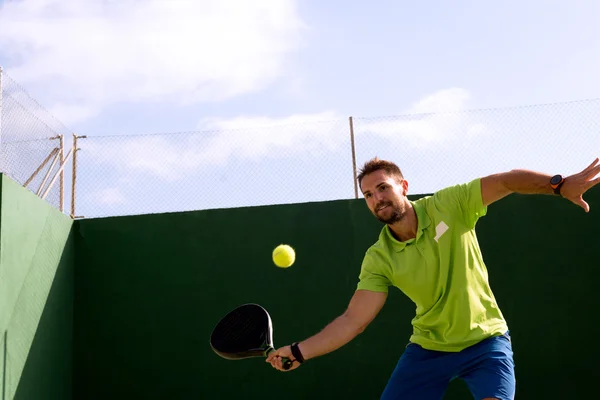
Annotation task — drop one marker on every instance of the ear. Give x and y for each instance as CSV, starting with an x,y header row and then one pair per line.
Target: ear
x,y
404,187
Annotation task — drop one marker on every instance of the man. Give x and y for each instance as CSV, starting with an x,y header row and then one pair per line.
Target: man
x,y
429,250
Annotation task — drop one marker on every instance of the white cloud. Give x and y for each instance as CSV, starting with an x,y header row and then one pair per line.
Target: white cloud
x,y
73,113
90,53
221,142
172,157
442,101
435,119
256,137
108,196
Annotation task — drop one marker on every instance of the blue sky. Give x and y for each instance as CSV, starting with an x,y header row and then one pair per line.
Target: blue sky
x,y
275,81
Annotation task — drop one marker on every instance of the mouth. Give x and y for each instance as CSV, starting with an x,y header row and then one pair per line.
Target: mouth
x,y
382,207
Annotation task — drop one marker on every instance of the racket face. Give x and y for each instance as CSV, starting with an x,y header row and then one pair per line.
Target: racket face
x,y
244,332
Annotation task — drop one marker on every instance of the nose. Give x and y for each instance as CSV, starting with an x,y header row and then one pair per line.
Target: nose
x,y
378,197
377,200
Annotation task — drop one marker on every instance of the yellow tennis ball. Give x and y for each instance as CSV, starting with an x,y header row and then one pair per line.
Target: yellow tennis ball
x,y
284,256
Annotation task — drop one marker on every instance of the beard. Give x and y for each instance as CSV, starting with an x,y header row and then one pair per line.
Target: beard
x,y
395,213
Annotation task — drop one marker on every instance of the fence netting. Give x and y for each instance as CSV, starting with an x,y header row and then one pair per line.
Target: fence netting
x,y
441,149
214,169
30,144
254,164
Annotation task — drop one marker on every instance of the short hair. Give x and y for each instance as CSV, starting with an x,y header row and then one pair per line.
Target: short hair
x,y
376,164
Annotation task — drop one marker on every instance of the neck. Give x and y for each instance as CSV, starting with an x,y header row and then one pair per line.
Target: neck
x,y
406,228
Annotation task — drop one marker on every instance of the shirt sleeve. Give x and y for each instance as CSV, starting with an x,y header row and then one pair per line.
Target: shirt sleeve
x,y
371,276
464,199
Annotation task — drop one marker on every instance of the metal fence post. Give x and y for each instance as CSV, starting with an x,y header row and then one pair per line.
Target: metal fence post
x,y
61,199
353,157
74,177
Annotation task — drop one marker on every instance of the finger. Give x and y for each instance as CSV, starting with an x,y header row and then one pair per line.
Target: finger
x,y
582,203
273,354
274,363
592,172
592,183
589,167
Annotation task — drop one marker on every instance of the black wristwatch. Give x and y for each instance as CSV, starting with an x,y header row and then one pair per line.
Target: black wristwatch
x,y
296,352
556,182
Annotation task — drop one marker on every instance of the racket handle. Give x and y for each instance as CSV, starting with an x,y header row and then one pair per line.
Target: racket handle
x,y
286,362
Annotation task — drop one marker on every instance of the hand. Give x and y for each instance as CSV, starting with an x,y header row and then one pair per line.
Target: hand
x,y
577,184
275,358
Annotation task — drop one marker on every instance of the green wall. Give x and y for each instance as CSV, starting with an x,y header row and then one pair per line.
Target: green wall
x,y
123,307
36,297
149,289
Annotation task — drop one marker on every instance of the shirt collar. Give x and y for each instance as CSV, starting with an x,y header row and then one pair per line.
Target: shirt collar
x,y
423,222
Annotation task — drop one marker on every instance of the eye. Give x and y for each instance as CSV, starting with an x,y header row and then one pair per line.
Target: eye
x,y
367,195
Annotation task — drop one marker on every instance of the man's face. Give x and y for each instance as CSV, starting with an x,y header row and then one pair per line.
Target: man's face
x,y
384,196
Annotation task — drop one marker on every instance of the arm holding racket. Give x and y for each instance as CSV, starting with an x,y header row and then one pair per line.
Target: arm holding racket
x,y
362,309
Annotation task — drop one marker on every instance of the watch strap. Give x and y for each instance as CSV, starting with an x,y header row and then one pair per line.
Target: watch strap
x,y
296,352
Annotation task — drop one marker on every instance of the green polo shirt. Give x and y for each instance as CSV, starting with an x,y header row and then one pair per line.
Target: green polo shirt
x,y
441,271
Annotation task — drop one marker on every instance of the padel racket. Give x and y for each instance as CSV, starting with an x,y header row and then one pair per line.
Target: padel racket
x,y
245,332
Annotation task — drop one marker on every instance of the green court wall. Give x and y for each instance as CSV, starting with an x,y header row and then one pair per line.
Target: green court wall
x,y
36,297
123,307
148,290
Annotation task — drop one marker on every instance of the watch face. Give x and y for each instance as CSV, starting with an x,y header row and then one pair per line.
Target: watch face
x,y
555,179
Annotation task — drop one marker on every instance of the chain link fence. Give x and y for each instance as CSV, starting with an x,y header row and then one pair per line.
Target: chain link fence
x,y
32,144
245,163
214,169
442,149
317,161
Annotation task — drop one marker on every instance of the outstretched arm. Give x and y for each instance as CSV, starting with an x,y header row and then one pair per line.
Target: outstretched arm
x,y
362,309
495,187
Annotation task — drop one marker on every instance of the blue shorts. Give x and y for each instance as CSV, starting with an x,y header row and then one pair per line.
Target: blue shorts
x,y
487,368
